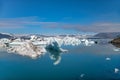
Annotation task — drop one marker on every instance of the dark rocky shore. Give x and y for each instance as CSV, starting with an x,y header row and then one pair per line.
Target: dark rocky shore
x,y
116,41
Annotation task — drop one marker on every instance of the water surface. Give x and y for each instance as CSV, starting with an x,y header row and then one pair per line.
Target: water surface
x,y
79,63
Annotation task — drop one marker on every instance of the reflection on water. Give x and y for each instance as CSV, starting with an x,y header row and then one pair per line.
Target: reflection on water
x,y
55,55
117,46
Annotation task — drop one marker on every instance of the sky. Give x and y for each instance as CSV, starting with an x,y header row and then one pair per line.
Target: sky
x,y
59,16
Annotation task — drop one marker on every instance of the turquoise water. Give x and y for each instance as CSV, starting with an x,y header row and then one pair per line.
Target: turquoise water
x,y
80,63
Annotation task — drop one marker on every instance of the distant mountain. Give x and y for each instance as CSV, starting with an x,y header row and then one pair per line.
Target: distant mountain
x,y
6,35
107,35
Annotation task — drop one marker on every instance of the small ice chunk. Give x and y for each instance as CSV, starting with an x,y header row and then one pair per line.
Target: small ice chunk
x,y
108,59
82,75
33,56
116,70
116,49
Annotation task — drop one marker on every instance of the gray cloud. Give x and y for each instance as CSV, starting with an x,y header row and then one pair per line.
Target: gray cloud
x,y
23,22
96,27
34,21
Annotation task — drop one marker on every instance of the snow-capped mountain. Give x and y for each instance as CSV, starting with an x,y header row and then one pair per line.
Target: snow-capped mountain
x,y
6,35
107,35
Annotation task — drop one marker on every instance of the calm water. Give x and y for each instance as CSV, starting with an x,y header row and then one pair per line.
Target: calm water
x,y
80,63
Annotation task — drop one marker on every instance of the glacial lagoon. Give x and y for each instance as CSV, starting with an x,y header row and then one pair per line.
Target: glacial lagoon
x,y
96,62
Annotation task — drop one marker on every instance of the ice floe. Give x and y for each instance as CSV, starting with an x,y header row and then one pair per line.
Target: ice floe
x,y
116,49
82,75
108,59
116,70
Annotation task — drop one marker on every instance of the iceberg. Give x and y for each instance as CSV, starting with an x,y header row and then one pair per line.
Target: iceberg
x,y
28,49
33,38
82,75
87,42
55,47
108,59
116,70
116,49
45,41
35,46
5,40
2,45
73,41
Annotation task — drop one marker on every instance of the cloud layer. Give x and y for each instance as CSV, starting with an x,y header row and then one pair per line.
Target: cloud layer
x,y
9,23
96,27
23,22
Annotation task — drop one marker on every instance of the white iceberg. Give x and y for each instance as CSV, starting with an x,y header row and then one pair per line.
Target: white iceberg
x,y
116,49
28,49
44,41
87,42
2,44
71,41
5,40
108,59
116,70
82,75
37,46
33,38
